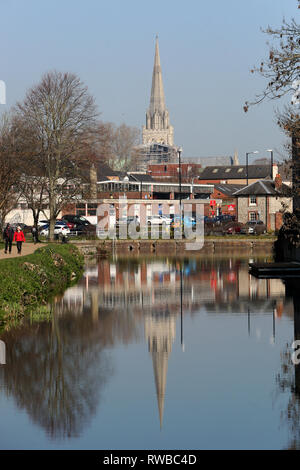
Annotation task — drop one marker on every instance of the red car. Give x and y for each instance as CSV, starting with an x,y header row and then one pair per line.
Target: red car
x,y
234,227
69,224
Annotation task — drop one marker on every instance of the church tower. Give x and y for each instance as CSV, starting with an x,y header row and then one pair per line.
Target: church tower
x,y
158,128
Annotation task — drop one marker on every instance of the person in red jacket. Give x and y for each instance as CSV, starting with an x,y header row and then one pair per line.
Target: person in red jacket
x,y
19,238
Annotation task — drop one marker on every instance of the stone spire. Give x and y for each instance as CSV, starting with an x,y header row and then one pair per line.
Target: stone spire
x,y
157,127
157,100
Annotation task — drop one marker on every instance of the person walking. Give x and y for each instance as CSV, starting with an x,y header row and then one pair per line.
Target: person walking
x,y
8,235
35,235
19,238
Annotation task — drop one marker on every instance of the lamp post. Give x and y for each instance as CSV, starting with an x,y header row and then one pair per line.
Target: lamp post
x,y
193,179
249,153
271,152
179,151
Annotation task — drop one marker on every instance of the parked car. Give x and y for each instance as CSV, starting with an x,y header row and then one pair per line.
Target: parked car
x,y
256,227
82,226
226,218
60,229
128,220
69,224
86,230
76,219
210,220
189,221
159,219
41,223
234,228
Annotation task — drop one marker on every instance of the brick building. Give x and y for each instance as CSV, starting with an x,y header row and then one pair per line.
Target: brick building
x,y
224,200
264,200
170,172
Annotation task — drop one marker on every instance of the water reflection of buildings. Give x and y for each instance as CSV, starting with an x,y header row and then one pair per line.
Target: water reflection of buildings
x,y
222,288
156,292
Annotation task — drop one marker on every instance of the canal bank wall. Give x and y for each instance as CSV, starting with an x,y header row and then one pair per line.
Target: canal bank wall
x,y
176,247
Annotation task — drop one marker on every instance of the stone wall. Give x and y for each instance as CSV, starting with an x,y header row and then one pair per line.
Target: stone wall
x,y
234,247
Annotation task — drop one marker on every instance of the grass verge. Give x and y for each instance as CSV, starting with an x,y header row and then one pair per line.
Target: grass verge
x,y
32,280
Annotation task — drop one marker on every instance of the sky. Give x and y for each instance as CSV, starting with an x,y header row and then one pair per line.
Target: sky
x,y
207,49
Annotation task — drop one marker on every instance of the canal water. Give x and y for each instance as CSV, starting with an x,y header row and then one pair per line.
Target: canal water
x,y
158,353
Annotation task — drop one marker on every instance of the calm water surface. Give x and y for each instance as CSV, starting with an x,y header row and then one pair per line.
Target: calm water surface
x,y
156,354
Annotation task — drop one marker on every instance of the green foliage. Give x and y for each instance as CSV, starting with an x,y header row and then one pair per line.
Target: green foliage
x,y
32,280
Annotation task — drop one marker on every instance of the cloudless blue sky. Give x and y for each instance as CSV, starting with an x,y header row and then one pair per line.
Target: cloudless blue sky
x,y
207,49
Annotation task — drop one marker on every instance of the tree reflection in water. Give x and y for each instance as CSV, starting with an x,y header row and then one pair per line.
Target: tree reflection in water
x,y
56,371
288,379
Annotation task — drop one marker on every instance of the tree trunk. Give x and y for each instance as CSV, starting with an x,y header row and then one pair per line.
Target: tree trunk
x,y
52,218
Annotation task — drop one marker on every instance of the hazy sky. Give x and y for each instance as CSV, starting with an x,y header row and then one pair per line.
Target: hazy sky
x,y
207,49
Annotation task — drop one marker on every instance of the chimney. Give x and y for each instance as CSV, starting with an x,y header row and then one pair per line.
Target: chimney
x,y
274,171
278,182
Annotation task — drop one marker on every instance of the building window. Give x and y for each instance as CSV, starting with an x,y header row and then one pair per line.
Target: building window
x,y
252,216
253,201
80,210
92,209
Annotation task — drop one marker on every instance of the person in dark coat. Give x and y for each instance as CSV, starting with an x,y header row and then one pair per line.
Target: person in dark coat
x,y
35,235
8,235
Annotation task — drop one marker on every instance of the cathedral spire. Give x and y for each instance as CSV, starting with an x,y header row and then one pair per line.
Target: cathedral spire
x,y
157,100
158,128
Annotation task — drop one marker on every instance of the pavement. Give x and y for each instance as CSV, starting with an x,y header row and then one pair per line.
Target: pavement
x,y
27,249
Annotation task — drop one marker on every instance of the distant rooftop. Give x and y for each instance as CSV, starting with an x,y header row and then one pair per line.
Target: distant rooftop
x,y
228,189
235,172
263,188
209,161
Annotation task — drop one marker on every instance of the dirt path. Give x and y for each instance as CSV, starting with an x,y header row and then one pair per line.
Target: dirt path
x,y
27,249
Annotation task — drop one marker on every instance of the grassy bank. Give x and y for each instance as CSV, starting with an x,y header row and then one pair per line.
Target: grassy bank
x,y
29,281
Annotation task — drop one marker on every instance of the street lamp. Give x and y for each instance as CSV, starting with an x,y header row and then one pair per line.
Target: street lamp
x,y
249,153
179,151
271,152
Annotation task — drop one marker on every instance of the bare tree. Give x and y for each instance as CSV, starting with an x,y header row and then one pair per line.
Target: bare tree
x,y
282,72
103,142
58,114
124,139
33,189
281,67
10,157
